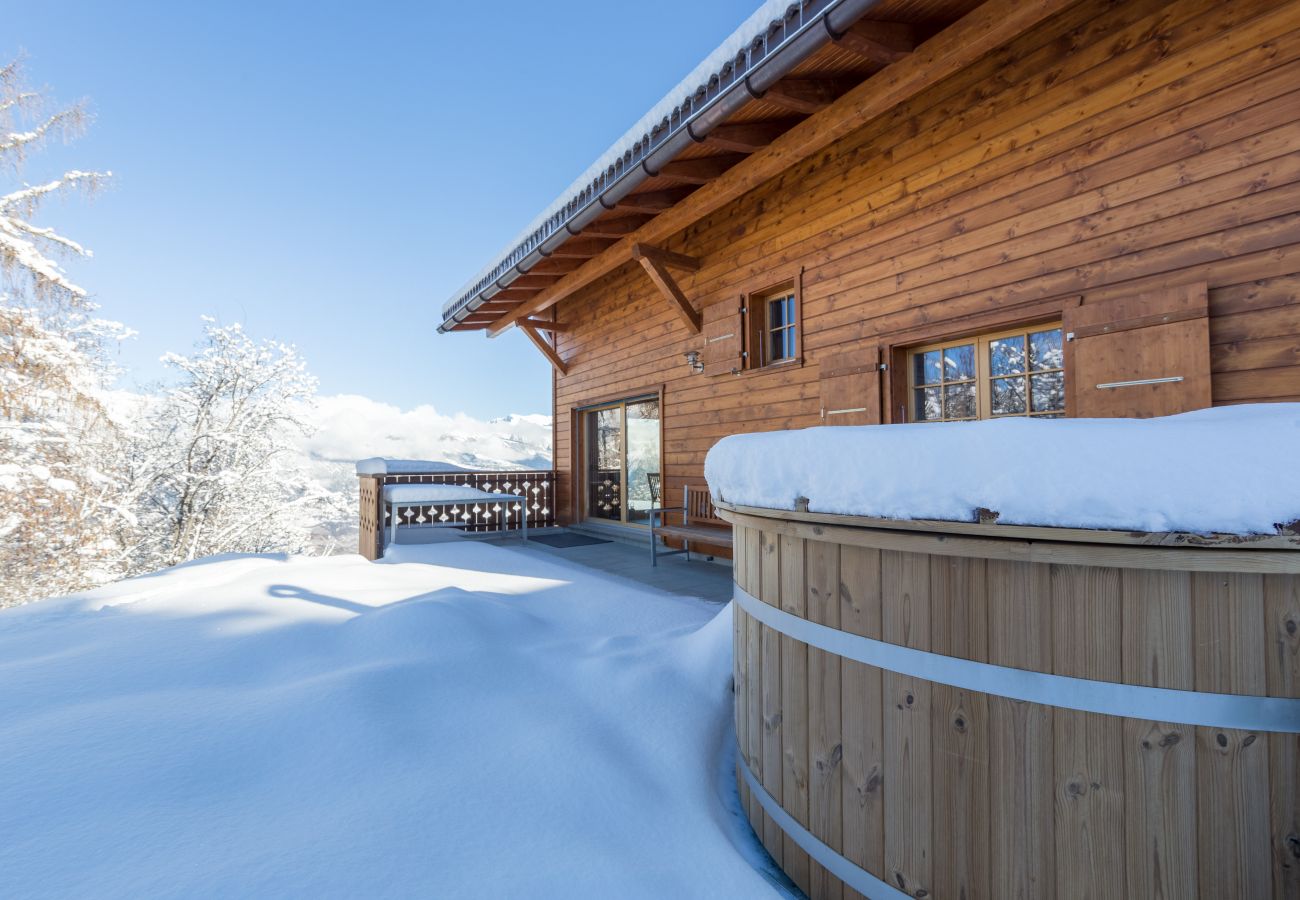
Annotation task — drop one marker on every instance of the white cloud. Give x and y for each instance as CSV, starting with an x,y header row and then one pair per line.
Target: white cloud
x,y
350,427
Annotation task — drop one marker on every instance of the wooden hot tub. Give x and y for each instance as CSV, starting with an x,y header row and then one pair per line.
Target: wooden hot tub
x,y
947,710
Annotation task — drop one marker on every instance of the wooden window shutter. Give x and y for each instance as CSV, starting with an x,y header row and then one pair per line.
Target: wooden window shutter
x,y
724,338
850,387
1139,356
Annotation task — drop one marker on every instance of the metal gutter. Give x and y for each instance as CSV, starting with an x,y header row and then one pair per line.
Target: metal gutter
x,y
765,61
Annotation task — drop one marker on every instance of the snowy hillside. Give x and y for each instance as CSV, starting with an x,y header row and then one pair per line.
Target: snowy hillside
x,y
462,720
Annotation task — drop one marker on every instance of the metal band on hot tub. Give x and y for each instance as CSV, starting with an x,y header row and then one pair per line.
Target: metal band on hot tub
x,y
845,870
1240,711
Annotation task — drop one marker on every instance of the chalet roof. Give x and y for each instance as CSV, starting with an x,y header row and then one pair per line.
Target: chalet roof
x,y
770,80
774,29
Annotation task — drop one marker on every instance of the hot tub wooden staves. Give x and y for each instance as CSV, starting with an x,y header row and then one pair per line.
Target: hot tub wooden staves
x,y
1085,717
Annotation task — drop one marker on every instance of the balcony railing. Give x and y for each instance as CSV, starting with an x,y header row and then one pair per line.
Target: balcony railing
x,y
537,485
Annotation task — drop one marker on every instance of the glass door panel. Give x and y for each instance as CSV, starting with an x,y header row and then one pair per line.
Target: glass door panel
x,y
622,461
605,463
642,460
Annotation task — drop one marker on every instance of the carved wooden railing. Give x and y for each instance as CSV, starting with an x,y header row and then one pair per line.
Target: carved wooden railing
x,y
537,485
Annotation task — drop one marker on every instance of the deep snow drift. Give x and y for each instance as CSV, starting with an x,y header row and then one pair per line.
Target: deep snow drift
x,y
1228,469
461,720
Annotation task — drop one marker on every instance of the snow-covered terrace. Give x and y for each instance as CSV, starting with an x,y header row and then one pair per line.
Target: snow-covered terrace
x,y
460,719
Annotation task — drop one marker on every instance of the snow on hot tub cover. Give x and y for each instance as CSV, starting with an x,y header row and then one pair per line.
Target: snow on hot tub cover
x,y
1231,469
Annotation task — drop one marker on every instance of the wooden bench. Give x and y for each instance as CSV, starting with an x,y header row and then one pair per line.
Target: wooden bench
x,y
699,523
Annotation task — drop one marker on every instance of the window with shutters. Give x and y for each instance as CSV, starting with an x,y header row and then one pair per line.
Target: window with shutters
x,y
773,327
1020,372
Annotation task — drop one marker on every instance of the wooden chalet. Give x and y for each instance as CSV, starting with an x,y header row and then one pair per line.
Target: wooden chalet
x,y
921,210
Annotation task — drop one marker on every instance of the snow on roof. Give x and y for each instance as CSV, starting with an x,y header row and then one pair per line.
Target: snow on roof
x,y
754,27
1224,470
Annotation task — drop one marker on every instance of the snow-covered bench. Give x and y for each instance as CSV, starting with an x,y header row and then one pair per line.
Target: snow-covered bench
x,y
398,496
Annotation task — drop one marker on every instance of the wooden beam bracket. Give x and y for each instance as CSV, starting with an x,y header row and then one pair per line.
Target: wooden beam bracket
x,y
547,350
656,262
642,252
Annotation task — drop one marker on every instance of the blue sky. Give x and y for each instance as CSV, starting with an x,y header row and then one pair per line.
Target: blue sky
x,y
328,173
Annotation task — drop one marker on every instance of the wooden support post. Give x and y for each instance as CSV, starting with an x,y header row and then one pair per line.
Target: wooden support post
x,y
547,350
655,261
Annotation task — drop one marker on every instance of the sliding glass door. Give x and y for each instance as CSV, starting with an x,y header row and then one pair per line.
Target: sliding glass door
x,y
622,460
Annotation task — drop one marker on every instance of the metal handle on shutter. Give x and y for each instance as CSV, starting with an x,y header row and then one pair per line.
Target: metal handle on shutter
x,y
1139,381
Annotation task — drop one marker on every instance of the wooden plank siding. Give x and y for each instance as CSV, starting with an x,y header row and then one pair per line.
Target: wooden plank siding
x,y
1113,149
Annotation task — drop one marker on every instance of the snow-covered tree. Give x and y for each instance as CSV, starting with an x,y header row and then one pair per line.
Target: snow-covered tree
x,y
215,461
60,522
29,252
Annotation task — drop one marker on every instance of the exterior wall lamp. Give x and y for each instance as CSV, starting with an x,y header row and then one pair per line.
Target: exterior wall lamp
x,y
693,361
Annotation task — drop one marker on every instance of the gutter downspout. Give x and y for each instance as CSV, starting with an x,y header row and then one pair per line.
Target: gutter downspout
x,y
830,24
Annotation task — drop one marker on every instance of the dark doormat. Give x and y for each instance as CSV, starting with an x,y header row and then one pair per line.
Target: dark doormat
x,y
567,539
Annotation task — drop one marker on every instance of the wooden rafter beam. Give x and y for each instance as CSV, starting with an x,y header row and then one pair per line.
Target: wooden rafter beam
x,y
545,325
555,267
547,350
581,248
748,137
653,202
803,95
667,285
511,295
881,42
987,27
700,170
530,280
665,257
615,228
